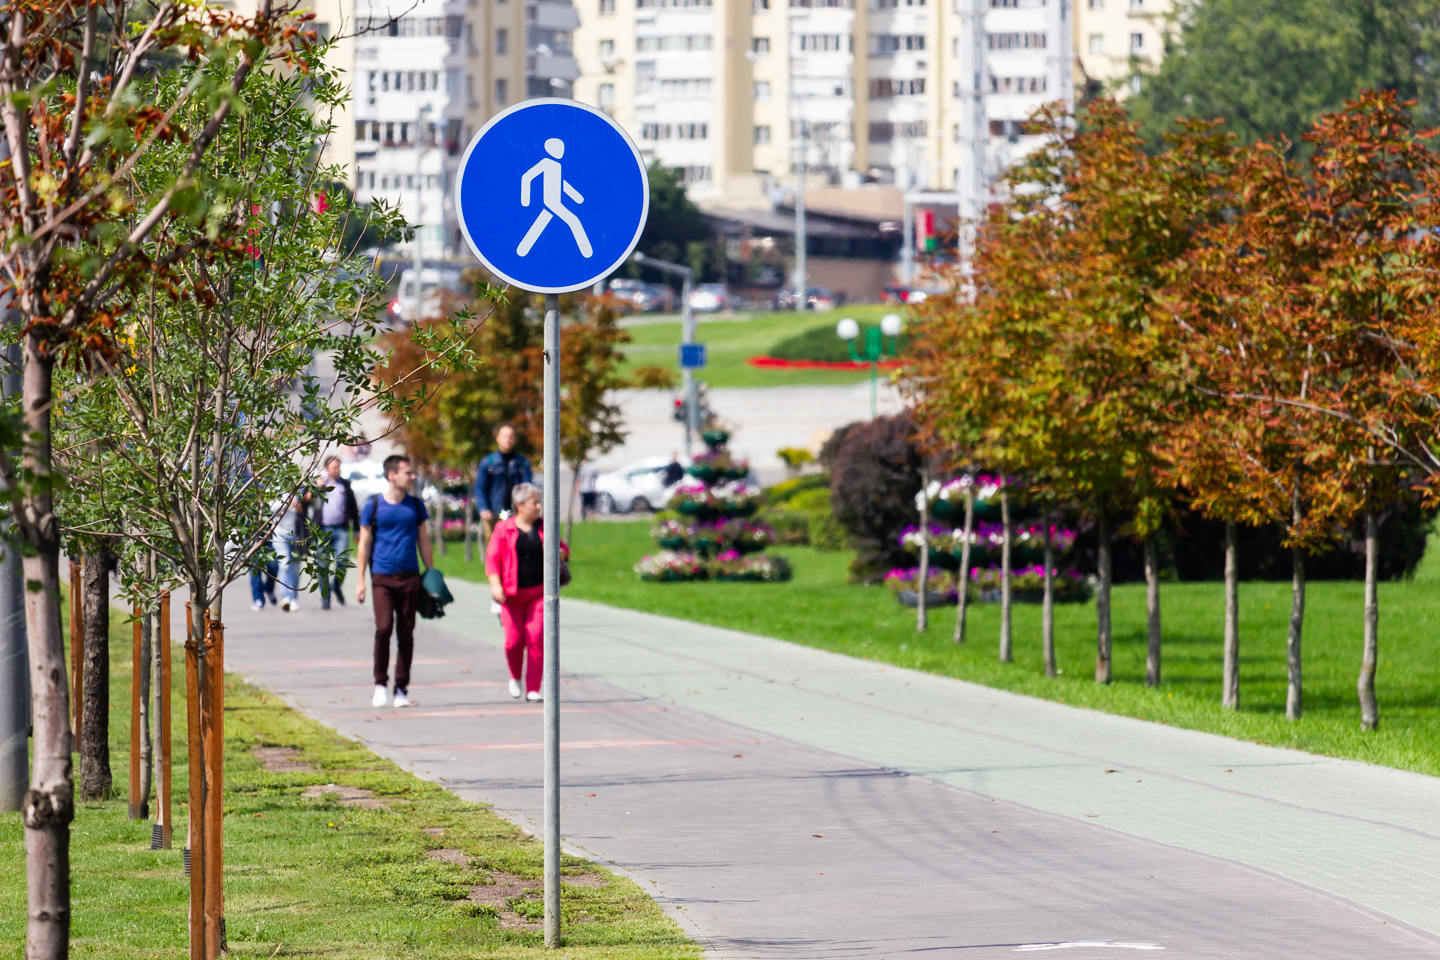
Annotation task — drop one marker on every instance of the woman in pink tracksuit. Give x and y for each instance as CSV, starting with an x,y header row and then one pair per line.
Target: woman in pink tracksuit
x,y
514,564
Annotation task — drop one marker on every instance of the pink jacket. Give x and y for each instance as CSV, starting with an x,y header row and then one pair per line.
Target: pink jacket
x,y
500,555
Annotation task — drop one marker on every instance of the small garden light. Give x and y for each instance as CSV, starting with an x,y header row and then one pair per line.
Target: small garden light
x,y
876,349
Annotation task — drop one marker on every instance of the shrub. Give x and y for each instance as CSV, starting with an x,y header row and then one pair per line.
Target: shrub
x,y
792,528
874,477
780,494
824,532
795,457
823,344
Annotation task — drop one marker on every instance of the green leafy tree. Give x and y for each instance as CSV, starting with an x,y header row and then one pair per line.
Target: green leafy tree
x,y
1270,68
79,113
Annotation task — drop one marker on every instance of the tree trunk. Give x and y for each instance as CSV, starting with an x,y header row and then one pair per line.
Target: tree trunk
x,y
1047,610
50,801
95,775
1369,709
1293,700
962,604
921,614
1007,653
1230,682
1152,611
1102,604
570,509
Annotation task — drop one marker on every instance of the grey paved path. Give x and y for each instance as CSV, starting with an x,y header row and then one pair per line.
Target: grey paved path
x,y
784,802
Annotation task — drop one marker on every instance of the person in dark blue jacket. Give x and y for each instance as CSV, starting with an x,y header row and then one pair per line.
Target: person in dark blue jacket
x,y
497,476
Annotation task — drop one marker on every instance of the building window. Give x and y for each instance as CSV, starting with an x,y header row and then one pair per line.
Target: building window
x,y
502,92
762,133
762,89
760,44
758,5
1097,43
502,41
1135,83
883,44
607,8
1097,4
1137,4
882,88
1137,41
607,48
1032,40
605,96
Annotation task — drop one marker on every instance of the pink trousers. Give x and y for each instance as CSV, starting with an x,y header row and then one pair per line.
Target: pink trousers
x,y
523,619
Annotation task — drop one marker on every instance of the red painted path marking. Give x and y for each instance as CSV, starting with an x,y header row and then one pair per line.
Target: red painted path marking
x,y
591,744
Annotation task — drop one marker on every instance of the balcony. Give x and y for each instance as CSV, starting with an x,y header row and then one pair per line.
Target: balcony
x,y
560,66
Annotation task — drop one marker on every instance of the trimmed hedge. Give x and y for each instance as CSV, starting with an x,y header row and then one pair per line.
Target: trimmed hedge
x,y
823,344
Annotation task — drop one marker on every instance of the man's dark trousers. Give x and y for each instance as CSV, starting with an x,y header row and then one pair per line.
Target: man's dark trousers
x,y
397,596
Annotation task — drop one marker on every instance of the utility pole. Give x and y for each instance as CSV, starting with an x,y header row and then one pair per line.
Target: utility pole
x,y
799,135
972,174
907,246
687,335
419,311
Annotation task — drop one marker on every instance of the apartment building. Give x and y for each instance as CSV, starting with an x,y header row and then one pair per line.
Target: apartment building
x,y
739,95
1113,36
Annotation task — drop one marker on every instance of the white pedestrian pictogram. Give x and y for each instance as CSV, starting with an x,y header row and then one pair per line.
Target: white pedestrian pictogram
x,y
552,184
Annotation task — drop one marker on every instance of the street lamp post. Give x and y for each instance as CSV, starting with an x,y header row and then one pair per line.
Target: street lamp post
x,y
876,349
420,122
687,335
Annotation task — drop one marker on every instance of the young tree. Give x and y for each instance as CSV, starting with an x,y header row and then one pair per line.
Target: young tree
x,y
1310,315
210,407
76,122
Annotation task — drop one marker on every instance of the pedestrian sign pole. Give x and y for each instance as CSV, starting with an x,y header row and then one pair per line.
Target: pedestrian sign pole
x,y
551,197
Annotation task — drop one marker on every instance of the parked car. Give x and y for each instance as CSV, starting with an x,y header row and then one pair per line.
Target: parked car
x,y
817,298
437,282
711,298
367,478
640,486
641,296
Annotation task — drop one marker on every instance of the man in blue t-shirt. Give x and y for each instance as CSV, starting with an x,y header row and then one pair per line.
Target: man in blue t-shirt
x,y
390,531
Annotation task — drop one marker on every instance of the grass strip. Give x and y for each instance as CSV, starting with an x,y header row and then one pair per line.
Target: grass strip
x,y
820,609
411,871
730,342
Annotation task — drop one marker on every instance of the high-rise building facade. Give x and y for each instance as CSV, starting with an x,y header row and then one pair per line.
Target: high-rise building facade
x,y
738,95
427,75
1112,37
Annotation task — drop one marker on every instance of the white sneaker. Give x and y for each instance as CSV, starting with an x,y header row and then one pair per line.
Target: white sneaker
x,y
401,700
294,605
534,696
380,697
515,688
257,605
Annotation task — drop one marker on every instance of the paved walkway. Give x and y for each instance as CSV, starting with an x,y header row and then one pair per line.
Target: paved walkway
x,y
784,802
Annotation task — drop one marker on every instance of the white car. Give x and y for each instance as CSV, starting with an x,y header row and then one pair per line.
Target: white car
x,y
710,298
367,478
639,486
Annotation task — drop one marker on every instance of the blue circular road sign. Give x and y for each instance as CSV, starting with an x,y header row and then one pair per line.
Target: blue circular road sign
x,y
551,195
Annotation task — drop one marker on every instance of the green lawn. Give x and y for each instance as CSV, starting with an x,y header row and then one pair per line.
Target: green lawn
x,y
730,342
314,878
820,609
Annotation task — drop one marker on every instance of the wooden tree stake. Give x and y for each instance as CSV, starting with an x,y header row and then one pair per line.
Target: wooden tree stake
x,y
164,796
77,653
137,805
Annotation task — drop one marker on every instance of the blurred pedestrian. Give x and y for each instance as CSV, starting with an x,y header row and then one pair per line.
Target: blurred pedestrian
x,y
289,543
673,471
497,476
336,517
586,479
515,567
262,584
391,528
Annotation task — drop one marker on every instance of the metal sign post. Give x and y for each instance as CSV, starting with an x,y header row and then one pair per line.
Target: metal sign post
x,y
551,196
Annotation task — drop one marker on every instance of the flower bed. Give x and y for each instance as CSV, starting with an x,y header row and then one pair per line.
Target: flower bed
x,y
940,586
672,566
1027,584
755,567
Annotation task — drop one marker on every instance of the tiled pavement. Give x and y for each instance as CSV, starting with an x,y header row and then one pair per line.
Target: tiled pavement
x,y
785,802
